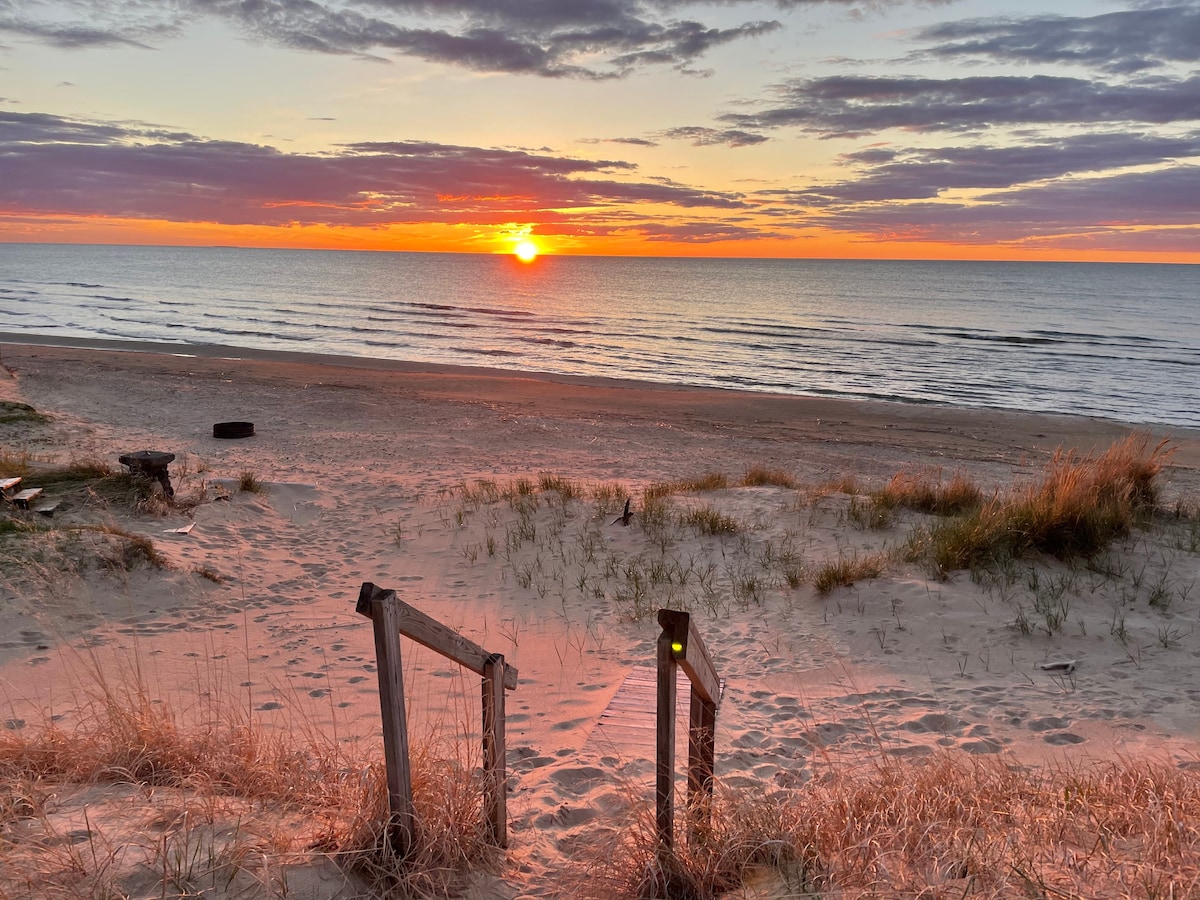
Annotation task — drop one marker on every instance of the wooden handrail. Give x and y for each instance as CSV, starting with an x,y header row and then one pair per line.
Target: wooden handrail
x,y
689,651
391,618
680,646
433,634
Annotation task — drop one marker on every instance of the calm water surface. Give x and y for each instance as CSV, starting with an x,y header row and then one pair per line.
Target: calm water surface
x,y
1115,340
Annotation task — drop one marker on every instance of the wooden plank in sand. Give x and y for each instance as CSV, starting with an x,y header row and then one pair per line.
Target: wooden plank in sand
x,y
627,725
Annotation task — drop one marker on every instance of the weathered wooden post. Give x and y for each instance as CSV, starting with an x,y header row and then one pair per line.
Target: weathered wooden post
x,y
494,769
386,624
393,617
680,645
664,769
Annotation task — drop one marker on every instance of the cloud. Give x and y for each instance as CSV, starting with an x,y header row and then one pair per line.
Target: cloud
x,y
56,165
710,137
856,105
631,141
926,173
581,38
590,39
1159,202
1120,42
707,232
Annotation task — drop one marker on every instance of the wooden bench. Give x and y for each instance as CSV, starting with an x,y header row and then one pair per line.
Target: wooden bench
x,y
22,499
7,485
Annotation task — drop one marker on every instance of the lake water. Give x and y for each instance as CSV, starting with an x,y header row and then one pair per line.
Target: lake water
x,y
1120,341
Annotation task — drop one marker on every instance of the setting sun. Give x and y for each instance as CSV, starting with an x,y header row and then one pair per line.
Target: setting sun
x,y
526,251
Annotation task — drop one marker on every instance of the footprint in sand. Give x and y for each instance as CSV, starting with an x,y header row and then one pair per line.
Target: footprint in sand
x,y
988,745
1060,738
1049,723
579,780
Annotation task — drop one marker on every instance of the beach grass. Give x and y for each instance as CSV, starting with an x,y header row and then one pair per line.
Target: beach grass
x,y
1078,508
233,796
949,826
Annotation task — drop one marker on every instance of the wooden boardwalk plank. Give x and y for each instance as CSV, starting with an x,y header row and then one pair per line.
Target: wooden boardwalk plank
x,y
627,725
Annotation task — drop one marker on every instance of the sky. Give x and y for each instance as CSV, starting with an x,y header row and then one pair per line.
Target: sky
x,y
934,129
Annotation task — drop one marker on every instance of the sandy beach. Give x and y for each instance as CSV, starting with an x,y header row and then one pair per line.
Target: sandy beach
x,y
368,470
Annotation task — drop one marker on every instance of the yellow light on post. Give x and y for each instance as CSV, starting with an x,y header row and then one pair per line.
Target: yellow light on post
x,y
676,647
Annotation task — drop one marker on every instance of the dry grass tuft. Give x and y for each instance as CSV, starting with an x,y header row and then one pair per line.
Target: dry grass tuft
x,y
1079,507
710,521
952,826
760,476
927,492
80,471
564,487
846,570
451,838
127,551
322,796
709,481
250,483
15,464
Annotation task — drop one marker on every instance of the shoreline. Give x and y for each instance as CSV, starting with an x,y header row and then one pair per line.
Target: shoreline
x,y
815,403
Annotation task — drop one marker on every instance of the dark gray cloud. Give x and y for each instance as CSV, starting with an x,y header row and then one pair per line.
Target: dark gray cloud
x,y
540,37
925,173
55,165
1161,202
1125,41
856,105
551,38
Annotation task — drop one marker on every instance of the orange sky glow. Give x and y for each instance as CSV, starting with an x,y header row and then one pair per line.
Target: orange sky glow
x,y
451,238
899,129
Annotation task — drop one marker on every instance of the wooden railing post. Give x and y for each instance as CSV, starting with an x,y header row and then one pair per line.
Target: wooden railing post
x,y
664,793
494,769
680,644
385,619
393,617
702,740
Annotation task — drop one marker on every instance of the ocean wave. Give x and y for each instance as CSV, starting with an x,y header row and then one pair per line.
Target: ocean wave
x,y
485,351
547,342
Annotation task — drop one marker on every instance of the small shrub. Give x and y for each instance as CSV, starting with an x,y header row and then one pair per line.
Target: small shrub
x,y
12,413
249,483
